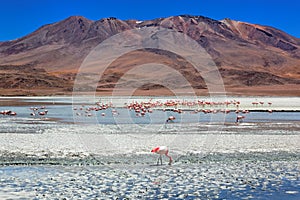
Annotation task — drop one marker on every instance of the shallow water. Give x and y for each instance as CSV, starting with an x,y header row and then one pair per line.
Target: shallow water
x,y
207,180
65,154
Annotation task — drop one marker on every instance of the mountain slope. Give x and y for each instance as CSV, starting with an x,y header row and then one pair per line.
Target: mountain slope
x,y
247,55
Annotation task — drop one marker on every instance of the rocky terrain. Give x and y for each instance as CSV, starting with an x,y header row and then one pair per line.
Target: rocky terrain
x,y
252,59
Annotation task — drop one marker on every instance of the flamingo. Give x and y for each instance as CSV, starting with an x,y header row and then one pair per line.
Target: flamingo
x,y
239,118
45,112
42,113
162,150
12,113
171,118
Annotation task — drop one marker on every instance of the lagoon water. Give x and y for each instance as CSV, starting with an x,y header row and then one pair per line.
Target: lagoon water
x,y
73,153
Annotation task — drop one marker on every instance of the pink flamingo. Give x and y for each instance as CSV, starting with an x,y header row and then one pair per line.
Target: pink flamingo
x,y
12,113
162,150
171,118
43,112
239,118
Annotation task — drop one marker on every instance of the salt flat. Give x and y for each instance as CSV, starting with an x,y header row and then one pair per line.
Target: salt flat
x,y
64,155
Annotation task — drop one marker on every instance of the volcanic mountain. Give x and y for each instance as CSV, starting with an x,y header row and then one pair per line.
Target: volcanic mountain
x,y
252,59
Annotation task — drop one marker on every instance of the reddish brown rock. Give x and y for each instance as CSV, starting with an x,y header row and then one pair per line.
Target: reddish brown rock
x,y
247,55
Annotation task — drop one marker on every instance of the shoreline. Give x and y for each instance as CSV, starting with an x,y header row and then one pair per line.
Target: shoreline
x,y
261,91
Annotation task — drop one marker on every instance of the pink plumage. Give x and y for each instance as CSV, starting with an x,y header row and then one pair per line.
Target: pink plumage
x,y
162,150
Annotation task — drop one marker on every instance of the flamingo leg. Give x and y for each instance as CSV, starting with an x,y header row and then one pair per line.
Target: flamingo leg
x,y
170,161
158,160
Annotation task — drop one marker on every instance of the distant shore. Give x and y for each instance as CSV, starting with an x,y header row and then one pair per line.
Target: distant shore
x,y
273,90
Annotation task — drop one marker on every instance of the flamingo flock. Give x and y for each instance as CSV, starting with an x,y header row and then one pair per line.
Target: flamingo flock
x,y
38,111
8,112
176,106
147,107
35,111
87,111
141,108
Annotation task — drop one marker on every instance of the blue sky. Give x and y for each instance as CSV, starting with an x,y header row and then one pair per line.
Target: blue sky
x,y
20,17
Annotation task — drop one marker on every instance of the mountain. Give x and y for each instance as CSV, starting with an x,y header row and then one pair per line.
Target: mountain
x,y
252,59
